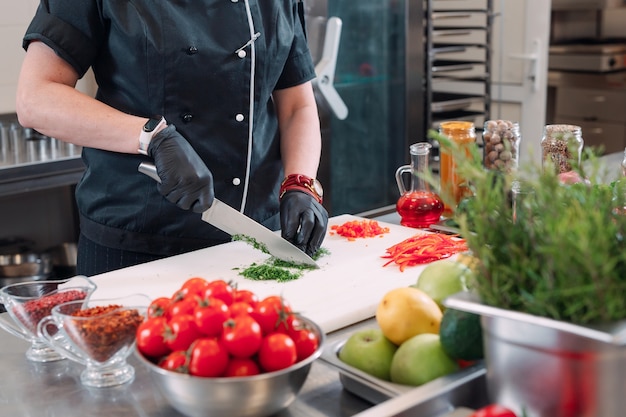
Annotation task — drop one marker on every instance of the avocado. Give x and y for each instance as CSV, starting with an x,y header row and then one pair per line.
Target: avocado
x,y
461,335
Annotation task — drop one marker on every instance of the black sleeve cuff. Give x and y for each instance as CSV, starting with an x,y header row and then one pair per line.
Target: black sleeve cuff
x,y
68,42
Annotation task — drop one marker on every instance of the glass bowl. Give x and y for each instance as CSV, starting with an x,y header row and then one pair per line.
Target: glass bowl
x,y
30,301
98,333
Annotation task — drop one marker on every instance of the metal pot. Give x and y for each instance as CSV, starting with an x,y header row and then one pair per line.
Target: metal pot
x,y
21,265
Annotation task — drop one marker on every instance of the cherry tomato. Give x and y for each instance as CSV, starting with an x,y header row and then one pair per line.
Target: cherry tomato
x,y
240,307
208,357
269,312
464,364
210,315
493,410
182,306
159,307
306,342
246,296
220,289
278,351
242,336
150,337
182,332
242,367
195,286
176,361
287,323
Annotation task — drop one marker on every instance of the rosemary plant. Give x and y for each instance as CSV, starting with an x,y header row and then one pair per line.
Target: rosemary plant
x,y
563,256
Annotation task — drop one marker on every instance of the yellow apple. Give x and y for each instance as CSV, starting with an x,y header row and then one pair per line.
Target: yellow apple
x,y
405,312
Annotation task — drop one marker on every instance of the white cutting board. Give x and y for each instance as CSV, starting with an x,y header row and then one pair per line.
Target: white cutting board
x,y
346,288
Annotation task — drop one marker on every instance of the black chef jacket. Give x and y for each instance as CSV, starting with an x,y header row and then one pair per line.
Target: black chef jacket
x,y
208,66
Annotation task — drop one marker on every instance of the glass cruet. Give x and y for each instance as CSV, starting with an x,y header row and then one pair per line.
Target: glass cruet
x,y
417,206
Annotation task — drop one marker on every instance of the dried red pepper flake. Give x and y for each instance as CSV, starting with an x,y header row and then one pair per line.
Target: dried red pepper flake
x,y
32,311
354,229
96,311
102,331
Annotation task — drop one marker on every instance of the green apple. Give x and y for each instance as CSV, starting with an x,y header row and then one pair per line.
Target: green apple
x,y
420,360
441,279
370,351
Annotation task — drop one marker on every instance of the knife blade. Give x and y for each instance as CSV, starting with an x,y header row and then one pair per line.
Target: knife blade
x,y
233,222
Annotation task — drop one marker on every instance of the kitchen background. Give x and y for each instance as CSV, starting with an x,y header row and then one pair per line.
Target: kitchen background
x,y
383,61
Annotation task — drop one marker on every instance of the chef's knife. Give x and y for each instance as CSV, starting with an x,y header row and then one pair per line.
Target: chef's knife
x,y
233,222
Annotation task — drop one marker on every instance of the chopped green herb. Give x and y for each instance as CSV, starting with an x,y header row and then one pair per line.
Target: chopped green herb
x,y
252,241
266,272
280,263
274,269
320,252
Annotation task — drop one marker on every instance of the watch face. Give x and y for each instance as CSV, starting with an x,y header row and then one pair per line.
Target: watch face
x,y
318,188
152,124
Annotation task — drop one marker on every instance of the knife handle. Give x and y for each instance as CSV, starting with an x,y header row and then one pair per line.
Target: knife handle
x,y
150,170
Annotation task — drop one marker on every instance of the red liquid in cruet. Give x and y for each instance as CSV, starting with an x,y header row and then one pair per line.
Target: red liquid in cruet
x,y
419,208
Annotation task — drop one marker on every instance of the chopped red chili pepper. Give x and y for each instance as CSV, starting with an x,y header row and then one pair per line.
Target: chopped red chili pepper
x,y
423,249
359,229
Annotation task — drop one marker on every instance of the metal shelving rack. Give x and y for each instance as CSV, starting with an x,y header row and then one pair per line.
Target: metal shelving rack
x,y
30,161
458,36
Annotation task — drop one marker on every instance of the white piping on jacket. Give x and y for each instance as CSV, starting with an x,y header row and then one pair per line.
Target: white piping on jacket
x,y
253,36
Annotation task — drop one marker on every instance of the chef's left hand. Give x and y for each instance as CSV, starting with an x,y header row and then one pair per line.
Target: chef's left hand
x,y
303,221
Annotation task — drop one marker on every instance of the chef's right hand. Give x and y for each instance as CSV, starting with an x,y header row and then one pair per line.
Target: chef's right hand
x,y
185,179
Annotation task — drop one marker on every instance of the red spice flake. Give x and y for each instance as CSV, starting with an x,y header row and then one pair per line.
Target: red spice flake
x,y
102,331
32,311
423,249
359,229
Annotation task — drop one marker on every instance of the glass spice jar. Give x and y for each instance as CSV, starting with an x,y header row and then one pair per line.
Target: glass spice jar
x,y
453,187
561,146
501,139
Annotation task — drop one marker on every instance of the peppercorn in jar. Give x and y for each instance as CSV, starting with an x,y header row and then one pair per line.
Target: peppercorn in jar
x,y
501,139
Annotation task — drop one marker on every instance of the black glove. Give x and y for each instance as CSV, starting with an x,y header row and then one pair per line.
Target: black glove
x,y
185,179
303,221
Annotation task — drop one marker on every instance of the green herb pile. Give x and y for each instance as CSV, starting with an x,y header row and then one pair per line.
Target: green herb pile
x,y
564,255
274,269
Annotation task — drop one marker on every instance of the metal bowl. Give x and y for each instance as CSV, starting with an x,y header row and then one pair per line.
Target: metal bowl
x,y
19,265
252,396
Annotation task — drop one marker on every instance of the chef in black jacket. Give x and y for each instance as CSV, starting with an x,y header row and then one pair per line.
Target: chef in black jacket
x,y
216,93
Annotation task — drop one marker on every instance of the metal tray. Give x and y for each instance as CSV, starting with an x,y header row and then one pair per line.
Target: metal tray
x,y
450,101
465,388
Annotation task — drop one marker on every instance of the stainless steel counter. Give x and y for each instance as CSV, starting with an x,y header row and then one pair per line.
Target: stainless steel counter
x,y
54,389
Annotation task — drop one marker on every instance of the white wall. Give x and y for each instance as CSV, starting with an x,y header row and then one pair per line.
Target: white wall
x,y
15,15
